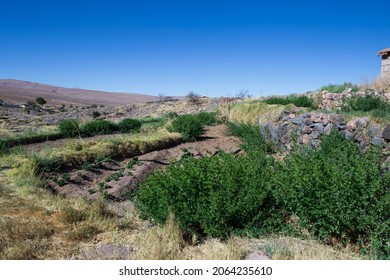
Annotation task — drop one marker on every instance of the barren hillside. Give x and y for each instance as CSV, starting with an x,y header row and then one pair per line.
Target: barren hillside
x,y
21,91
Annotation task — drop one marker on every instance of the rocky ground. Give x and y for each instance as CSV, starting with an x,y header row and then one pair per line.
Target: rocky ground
x,y
16,116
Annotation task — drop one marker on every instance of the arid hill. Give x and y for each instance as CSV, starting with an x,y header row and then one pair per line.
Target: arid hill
x,y
21,91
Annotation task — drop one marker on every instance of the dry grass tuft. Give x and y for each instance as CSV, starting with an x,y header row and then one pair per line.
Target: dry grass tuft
x,y
251,112
289,248
381,83
161,243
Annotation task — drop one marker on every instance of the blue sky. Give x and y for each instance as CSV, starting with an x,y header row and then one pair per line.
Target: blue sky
x,y
215,48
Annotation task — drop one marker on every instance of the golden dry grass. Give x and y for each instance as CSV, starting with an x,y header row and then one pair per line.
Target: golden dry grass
x,y
380,83
251,112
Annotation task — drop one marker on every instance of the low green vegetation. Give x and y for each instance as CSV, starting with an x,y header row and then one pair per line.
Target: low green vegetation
x,y
339,88
69,128
191,127
29,136
297,100
98,127
129,125
335,193
188,125
214,196
253,140
376,104
370,101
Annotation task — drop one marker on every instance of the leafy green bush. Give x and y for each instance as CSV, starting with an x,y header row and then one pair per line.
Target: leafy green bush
x,y
370,101
207,118
339,88
189,126
129,125
69,128
334,190
297,100
40,101
98,127
214,196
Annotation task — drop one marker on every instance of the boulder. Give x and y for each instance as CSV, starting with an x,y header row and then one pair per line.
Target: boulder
x,y
319,127
337,119
328,128
373,131
298,120
376,141
361,122
386,133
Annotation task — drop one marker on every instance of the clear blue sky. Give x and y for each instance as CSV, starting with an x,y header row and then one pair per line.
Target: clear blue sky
x,y
211,47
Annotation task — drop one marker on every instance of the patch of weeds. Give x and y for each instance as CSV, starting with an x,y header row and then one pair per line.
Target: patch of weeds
x,y
61,181
339,88
91,191
132,162
87,166
186,154
115,176
297,100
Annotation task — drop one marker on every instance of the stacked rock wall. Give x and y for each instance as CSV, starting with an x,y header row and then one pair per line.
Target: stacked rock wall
x,y
308,128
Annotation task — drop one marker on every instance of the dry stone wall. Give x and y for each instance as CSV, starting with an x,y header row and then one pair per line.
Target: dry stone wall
x,y
308,128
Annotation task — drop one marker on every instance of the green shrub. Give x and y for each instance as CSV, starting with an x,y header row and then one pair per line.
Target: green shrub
x,y
69,128
98,127
3,146
129,125
207,118
334,190
214,196
297,100
189,126
370,101
96,114
339,88
40,101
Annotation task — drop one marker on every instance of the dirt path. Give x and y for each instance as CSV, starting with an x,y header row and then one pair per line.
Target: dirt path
x,y
118,178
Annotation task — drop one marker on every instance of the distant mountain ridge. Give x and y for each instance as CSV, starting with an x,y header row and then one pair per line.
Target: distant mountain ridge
x,y
22,91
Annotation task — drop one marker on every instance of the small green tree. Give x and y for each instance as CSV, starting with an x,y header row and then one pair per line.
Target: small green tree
x,y
40,101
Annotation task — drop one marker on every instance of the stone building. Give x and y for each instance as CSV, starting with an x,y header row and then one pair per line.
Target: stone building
x,y
385,69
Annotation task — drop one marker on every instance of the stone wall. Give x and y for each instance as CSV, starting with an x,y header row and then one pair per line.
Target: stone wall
x,y
331,101
308,128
